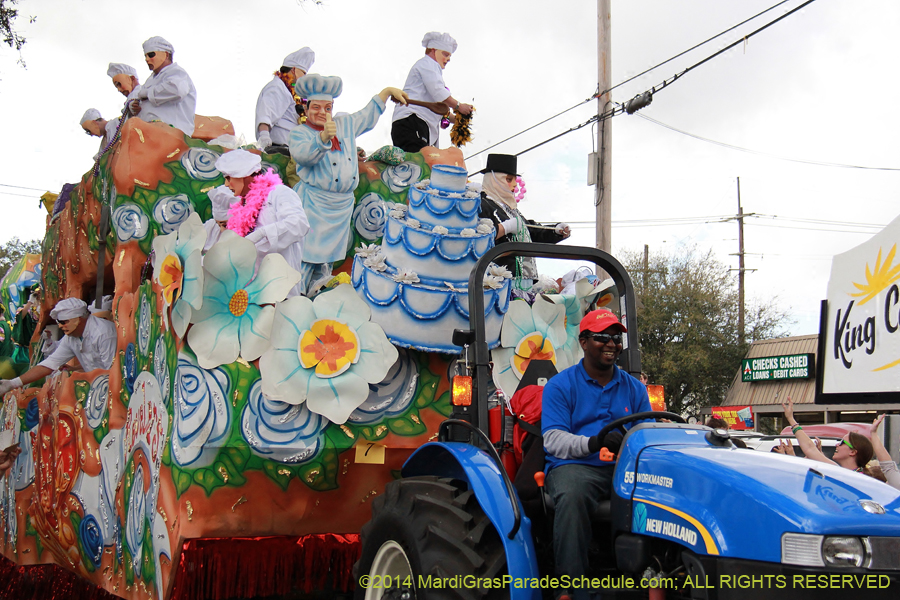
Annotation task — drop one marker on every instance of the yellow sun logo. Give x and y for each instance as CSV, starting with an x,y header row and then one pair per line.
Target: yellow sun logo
x,y
878,279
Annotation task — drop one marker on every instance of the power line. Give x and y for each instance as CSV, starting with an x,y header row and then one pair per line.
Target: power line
x,y
21,195
598,93
760,153
620,108
20,187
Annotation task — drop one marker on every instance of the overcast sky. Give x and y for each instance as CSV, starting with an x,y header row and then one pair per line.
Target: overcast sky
x,y
819,86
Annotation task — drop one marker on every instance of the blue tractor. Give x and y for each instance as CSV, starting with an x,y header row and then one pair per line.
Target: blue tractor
x,y
690,514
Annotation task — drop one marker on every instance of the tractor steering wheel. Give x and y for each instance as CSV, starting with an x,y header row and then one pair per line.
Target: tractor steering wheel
x,y
620,423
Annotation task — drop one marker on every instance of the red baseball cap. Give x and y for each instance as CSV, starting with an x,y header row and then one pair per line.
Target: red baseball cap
x,y
600,320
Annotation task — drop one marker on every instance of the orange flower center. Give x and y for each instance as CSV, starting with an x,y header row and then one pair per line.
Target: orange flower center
x,y
532,347
238,303
171,278
330,346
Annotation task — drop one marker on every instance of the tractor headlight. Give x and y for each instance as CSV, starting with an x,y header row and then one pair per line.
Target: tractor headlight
x,y
843,552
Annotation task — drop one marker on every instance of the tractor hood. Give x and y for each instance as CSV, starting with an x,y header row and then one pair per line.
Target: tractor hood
x,y
736,502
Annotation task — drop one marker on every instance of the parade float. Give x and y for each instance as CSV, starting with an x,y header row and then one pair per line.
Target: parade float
x,y
235,445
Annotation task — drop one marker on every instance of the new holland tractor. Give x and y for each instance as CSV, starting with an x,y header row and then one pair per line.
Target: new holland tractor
x,y
690,515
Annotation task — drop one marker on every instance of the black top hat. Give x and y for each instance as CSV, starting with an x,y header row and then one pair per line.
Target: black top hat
x,y
501,163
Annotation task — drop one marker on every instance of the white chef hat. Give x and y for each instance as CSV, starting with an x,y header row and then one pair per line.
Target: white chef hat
x,y
439,41
239,163
319,87
301,59
91,114
120,69
221,199
68,308
105,305
158,44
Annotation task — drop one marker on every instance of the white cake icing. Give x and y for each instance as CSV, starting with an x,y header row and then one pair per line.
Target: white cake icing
x,y
417,286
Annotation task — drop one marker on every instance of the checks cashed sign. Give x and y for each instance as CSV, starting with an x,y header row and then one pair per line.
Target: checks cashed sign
x,y
862,330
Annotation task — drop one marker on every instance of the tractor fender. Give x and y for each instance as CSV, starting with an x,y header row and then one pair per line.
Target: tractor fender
x,y
472,465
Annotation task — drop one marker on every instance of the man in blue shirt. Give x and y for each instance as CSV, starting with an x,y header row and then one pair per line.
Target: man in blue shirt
x,y
577,404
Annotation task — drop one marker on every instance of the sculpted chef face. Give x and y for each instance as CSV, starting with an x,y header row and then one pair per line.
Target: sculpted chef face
x,y
317,110
156,60
124,83
94,128
442,57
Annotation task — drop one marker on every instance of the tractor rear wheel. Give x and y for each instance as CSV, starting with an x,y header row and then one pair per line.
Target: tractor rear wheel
x,y
429,539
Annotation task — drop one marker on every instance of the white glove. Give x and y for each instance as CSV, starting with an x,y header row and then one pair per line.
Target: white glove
x,y
254,236
143,94
7,385
563,229
510,226
263,140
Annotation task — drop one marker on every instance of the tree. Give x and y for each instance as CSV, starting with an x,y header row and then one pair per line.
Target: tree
x,y
688,325
15,249
8,14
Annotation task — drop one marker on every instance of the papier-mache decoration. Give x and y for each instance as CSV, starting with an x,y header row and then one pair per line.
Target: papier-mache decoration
x,y
325,352
535,332
233,319
178,270
587,291
417,287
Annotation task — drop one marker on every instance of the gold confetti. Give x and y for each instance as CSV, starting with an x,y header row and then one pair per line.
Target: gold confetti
x,y
241,361
286,472
433,437
190,511
311,476
162,513
347,432
171,154
200,126
206,189
240,501
121,257
224,473
139,182
380,430
140,134
415,419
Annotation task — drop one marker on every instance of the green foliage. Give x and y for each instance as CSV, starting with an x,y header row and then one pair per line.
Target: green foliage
x,y
688,325
13,250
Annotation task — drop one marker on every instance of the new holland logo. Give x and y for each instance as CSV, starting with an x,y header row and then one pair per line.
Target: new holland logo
x,y
639,518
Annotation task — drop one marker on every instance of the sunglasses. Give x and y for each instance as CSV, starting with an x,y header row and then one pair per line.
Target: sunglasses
x,y
62,321
604,338
150,54
846,443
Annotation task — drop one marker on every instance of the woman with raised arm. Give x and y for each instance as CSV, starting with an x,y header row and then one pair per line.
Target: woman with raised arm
x,y
887,464
853,452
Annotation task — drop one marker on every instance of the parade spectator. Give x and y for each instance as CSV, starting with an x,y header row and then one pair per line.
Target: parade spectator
x,y
125,79
887,464
95,125
89,339
853,452
168,95
499,204
266,212
276,112
415,127
327,165
577,404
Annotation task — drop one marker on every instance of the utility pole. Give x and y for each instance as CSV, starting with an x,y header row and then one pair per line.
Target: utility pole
x,y
740,220
603,170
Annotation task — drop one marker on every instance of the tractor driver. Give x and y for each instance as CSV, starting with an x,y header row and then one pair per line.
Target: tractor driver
x,y
577,404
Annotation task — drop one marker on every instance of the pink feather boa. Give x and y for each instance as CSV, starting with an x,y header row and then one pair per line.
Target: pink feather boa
x,y
243,214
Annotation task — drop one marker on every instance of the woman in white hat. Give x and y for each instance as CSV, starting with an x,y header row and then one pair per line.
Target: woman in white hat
x,y
266,212
276,110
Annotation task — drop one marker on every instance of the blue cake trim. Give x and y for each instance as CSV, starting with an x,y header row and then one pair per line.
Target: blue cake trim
x,y
397,232
440,202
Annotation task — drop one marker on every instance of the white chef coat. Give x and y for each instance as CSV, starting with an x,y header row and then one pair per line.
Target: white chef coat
x,y
108,135
275,107
95,349
172,98
425,82
281,227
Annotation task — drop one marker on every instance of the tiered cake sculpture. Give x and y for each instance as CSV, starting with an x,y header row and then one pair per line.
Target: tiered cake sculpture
x,y
416,282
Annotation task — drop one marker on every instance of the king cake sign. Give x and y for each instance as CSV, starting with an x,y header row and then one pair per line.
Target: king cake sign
x,y
861,351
